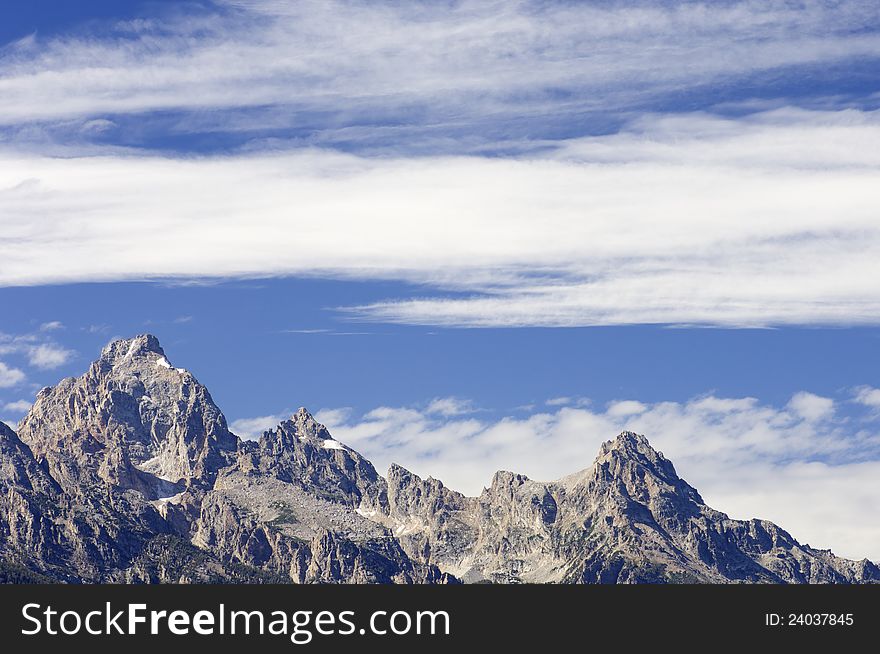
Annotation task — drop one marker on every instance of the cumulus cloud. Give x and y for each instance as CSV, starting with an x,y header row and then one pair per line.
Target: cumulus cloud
x,y
47,356
10,376
19,406
811,407
625,408
817,478
868,396
333,416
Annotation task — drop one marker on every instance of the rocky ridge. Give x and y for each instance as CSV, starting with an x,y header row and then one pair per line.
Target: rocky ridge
x,y
130,473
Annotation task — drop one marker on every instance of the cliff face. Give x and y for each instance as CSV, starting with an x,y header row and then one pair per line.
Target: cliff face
x,y
627,519
130,474
133,422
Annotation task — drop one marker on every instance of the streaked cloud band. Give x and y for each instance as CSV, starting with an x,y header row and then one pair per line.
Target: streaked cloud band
x,y
762,221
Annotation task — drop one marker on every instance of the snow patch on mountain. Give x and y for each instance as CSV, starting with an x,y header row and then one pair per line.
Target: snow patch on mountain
x,y
331,444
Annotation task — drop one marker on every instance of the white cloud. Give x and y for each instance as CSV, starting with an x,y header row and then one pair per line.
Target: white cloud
x,y
453,62
625,408
333,416
817,478
47,356
51,326
449,406
10,376
868,396
767,224
253,428
567,401
19,406
811,407
41,354
15,343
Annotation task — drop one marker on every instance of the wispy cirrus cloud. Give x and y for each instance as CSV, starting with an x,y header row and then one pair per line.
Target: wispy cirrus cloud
x,y
354,71
769,220
51,326
450,406
766,218
565,400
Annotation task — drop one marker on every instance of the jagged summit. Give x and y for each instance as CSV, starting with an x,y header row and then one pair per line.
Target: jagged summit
x,y
307,426
630,443
301,426
506,478
635,449
128,348
110,469
131,420
628,439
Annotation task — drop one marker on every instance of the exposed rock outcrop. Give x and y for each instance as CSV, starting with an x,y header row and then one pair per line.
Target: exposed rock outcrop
x,y
130,474
628,519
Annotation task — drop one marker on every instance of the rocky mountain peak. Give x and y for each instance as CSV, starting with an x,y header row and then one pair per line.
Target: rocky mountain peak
x,y
132,420
300,450
506,480
307,427
630,443
126,349
301,427
630,480
110,469
138,360
631,449
137,345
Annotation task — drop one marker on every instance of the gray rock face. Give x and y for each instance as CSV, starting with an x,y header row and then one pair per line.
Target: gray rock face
x,y
301,451
130,474
627,519
132,421
27,495
46,534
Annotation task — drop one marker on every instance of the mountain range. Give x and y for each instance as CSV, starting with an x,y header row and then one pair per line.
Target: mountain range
x,y
130,474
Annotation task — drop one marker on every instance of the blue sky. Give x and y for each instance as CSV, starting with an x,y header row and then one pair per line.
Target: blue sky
x,y
473,235
248,342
